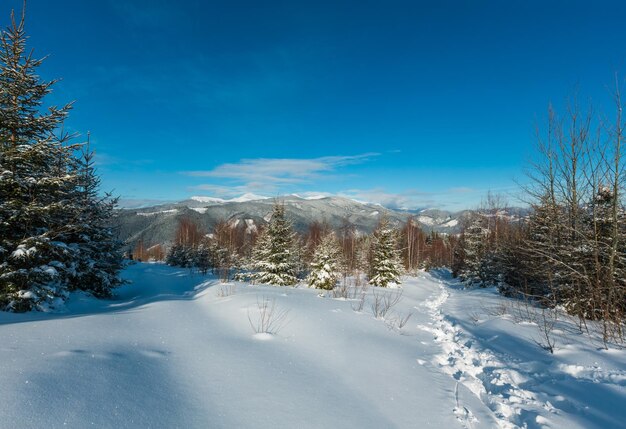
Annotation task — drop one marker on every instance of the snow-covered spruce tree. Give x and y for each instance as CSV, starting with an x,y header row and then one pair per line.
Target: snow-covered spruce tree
x,y
99,258
325,264
43,219
540,276
203,257
221,258
274,257
176,255
474,251
385,266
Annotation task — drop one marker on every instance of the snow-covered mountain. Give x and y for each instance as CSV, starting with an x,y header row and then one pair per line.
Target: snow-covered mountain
x,y
157,224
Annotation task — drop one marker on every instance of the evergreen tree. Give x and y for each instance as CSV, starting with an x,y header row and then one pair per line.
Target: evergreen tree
x,y
603,295
99,252
274,256
203,257
176,256
385,264
53,232
474,252
221,259
324,268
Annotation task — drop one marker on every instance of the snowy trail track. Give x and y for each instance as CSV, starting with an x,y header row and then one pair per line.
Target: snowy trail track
x,y
171,352
480,371
501,365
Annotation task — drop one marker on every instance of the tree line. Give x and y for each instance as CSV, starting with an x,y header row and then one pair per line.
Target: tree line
x,y
276,254
570,251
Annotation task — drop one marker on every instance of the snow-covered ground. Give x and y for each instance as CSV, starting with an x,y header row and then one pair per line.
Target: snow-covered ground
x,y
178,350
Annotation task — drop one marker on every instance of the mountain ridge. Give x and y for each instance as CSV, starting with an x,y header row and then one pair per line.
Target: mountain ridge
x,y
157,224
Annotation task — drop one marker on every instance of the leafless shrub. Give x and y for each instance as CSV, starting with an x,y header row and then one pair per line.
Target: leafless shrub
x,y
357,291
497,310
226,290
345,291
524,310
341,290
398,322
224,273
403,320
270,318
360,303
474,317
385,301
546,324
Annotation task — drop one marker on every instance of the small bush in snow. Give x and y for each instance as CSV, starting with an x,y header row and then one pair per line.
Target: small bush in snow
x,y
546,323
398,322
359,304
270,319
226,290
385,301
342,290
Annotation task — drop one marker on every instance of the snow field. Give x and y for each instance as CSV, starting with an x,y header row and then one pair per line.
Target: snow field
x,y
176,349
172,351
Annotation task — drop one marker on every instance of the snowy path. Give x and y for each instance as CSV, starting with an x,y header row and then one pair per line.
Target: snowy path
x,y
497,359
480,371
170,352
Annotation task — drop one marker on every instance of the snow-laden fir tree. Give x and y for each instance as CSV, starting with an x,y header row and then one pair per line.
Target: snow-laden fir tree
x,y
222,259
385,265
50,223
325,265
181,255
203,257
99,258
474,251
275,259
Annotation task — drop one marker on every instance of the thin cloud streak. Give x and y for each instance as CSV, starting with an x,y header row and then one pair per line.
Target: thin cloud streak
x,y
282,169
274,174
282,176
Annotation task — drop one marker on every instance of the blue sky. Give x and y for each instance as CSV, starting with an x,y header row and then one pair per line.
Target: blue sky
x,y
407,103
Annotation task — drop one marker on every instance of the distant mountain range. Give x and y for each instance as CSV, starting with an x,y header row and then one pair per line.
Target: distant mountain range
x,y
157,224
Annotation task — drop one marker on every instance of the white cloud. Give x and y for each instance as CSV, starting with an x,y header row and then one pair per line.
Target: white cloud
x,y
273,174
273,177
223,191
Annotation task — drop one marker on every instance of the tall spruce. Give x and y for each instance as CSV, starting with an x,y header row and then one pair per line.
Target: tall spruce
x,y
385,266
99,256
275,259
44,221
474,251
